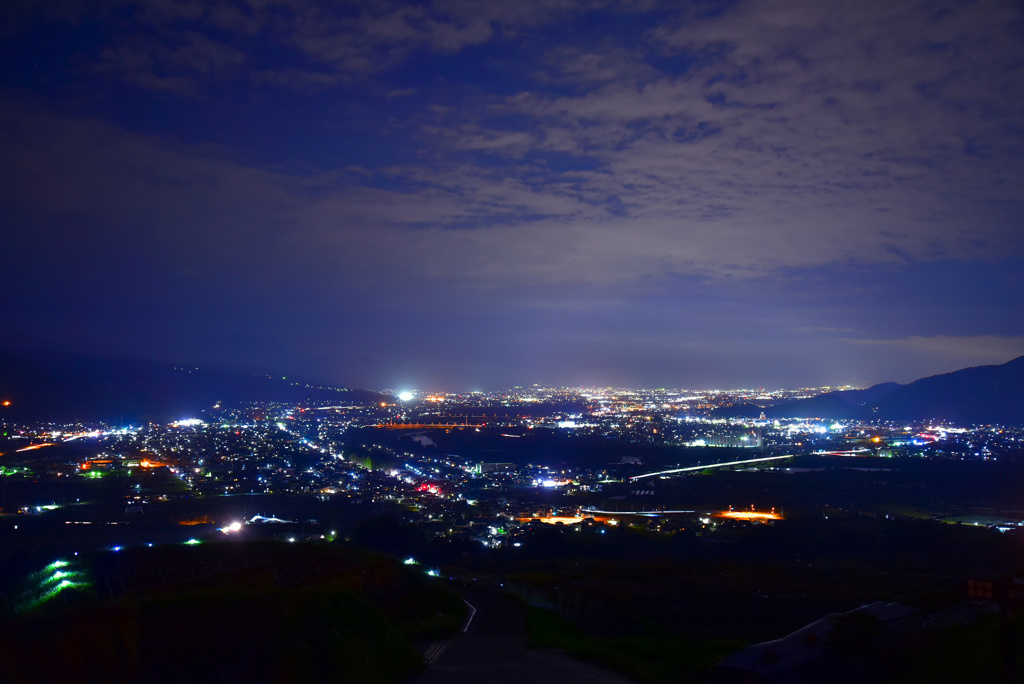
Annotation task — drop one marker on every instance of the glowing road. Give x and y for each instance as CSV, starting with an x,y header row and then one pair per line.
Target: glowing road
x,y
697,468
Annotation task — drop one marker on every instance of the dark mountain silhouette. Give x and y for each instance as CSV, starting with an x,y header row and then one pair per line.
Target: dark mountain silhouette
x,y
737,411
864,396
978,395
830,405
846,405
70,387
972,396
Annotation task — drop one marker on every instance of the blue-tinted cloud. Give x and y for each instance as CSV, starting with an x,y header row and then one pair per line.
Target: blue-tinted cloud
x,y
662,190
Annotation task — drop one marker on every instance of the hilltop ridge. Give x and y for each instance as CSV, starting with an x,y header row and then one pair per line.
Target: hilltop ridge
x,y
76,387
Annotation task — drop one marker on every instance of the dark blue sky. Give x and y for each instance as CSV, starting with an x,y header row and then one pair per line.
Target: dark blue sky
x,y
461,195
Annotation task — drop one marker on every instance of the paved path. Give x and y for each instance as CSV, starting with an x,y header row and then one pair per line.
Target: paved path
x,y
493,650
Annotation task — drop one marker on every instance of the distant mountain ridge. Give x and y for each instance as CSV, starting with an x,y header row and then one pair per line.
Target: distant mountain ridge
x,y
978,395
971,396
68,387
75,387
844,405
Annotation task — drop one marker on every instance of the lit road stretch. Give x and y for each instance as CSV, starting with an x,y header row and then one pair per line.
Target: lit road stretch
x,y
691,469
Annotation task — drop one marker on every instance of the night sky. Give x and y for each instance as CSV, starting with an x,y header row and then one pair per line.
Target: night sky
x,y
463,195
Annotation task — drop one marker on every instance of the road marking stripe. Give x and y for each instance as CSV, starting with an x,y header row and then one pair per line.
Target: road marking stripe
x,y
435,651
472,612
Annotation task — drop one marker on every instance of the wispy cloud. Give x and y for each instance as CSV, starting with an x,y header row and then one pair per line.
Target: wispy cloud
x,y
971,349
764,155
183,66
542,156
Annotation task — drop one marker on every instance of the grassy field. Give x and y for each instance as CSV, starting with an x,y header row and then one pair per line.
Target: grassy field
x,y
236,612
655,657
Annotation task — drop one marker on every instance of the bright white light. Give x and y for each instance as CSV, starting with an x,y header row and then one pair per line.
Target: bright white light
x,y
406,396
235,526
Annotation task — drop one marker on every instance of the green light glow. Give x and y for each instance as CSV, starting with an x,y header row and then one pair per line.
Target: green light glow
x,y
60,574
53,591
193,542
48,583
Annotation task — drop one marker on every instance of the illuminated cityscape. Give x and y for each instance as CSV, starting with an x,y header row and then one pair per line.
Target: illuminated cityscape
x,y
481,485
447,342
537,444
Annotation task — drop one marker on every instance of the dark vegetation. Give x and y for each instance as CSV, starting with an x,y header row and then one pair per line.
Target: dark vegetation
x,y
552,448
233,612
651,656
914,487
666,610
662,607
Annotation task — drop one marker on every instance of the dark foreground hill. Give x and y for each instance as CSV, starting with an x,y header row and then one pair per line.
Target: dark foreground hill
x,y
73,387
231,612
